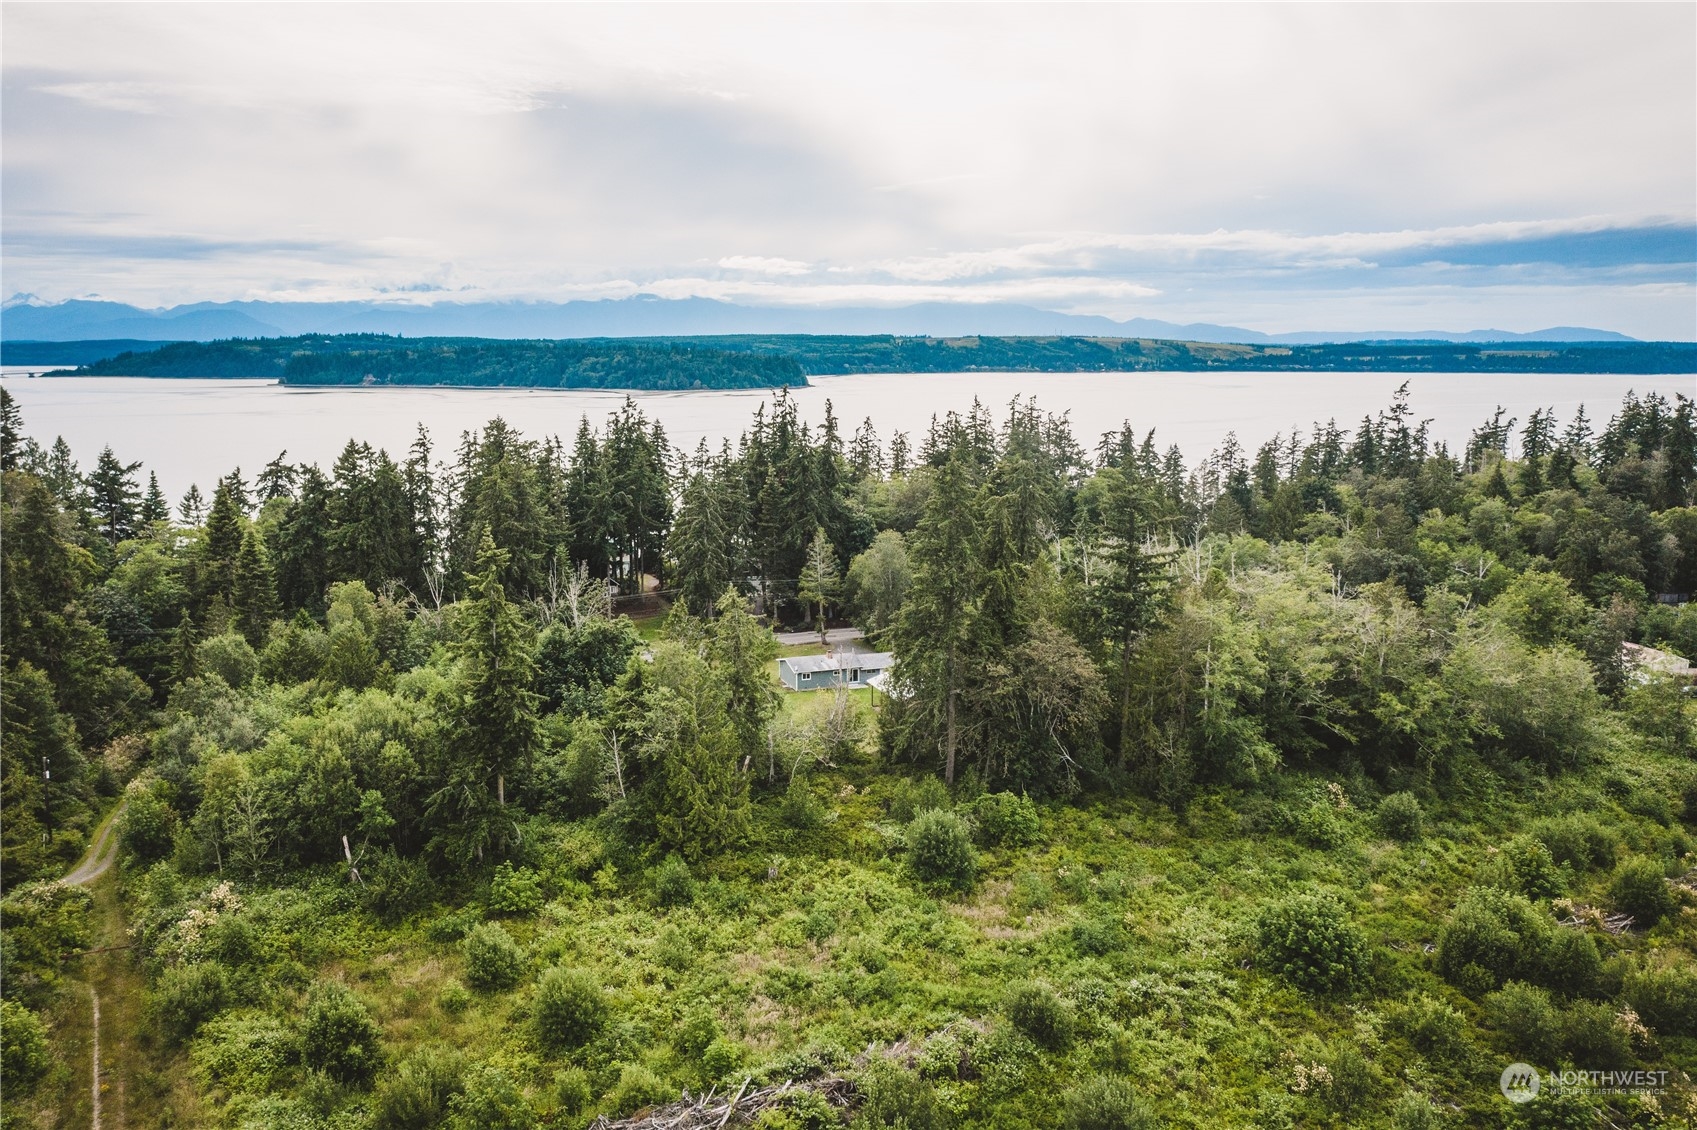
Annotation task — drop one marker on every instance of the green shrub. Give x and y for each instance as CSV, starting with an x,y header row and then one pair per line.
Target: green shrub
x,y
1571,964
1495,936
1578,840
1003,820
1320,826
1094,937
1640,888
1309,940
1525,866
514,891
396,887
492,959
898,1099
947,1055
491,1100
1526,1016
1039,1014
800,808
244,1052
454,927
148,829
1665,998
418,1093
799,1109
572,1092
673,884
1031,891
1400,817
569,1010
1592,1034
338,1035
453,998
909,798
939,850
674,949
23,1049
721,1057
638,1088
1352,1077
1437,1030
1105,1103
230,657
186,996
1413,1111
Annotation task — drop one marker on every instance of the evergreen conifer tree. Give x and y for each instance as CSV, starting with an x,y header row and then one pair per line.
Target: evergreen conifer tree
x,y
113,497
254,591
820,581
154,507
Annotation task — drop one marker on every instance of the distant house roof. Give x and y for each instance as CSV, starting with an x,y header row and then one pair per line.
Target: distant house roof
x,y
847,661
1651,659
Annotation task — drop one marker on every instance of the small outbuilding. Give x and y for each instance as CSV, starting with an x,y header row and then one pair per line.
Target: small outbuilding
x,y
848,669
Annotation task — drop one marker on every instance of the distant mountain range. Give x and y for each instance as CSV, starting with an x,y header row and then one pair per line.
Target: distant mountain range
x,y
24,319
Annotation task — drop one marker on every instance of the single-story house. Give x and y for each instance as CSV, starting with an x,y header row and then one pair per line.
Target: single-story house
x,y
849,668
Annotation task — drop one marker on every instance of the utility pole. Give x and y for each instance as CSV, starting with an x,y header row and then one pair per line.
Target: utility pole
x,y
46,802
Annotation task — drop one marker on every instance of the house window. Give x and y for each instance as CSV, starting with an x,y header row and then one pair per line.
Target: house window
x,y
854,676
806,675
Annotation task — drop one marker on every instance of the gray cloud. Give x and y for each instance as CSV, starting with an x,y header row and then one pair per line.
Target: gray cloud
x,y
1270,166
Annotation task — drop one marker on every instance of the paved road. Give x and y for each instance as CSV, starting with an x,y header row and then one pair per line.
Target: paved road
x,y
835,635
101,854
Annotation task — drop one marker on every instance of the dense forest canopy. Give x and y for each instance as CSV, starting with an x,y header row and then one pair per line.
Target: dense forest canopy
x,y
1303,785
771,361
379,359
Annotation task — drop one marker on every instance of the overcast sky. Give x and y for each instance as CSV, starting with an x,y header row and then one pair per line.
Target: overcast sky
x,y
1332,167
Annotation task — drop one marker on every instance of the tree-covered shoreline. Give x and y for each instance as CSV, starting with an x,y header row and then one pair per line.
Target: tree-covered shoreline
x,y
379,360
772,361
1303,786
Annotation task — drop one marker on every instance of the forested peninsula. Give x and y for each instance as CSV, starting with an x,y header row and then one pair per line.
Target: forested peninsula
x,y
772,361
377,359
1302,785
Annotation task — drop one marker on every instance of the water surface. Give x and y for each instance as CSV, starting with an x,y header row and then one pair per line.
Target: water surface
x,y
196,430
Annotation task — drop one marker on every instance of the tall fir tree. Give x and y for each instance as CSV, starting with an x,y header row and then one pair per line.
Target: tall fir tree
x,y
253,596
742,651
277,480
495,717
11,431
113,498
821,580
215,570
704,536
934,637
154,506
302,557
192,508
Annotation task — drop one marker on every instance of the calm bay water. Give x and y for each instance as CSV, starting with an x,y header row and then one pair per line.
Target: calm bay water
x,y
196,430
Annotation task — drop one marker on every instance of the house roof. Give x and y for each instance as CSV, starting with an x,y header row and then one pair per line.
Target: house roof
x,y
1649,658
848,661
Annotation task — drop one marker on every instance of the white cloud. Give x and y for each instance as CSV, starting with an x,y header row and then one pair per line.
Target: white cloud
x,y
764,265
1099,155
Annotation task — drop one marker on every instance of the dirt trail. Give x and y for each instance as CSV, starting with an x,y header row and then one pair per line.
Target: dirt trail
x,y
100,854
95,863
94,1087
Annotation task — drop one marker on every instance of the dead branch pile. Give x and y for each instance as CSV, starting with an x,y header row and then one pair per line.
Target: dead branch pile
x,y
714,1111
1580,917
